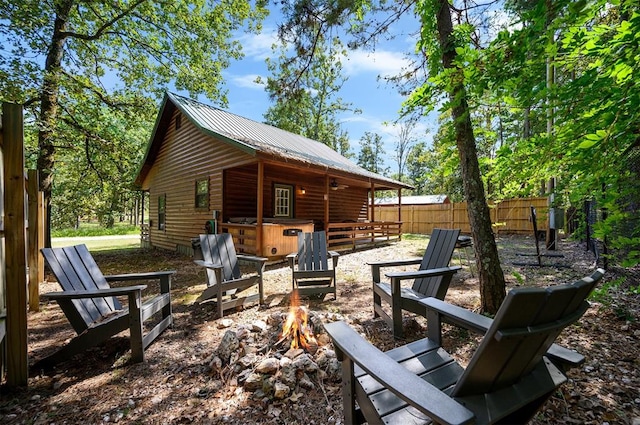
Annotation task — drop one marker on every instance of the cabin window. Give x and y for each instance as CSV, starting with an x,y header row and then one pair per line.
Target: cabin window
x,y
283,200
202,194
162,209
178,121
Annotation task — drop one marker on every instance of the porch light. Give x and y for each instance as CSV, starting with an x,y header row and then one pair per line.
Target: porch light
x,y
334,184
302,191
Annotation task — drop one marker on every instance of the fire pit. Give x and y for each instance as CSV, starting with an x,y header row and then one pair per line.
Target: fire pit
x,y
279,357
297,327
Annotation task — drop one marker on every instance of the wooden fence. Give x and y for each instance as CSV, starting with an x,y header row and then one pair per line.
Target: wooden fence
x,y
508,216
21,266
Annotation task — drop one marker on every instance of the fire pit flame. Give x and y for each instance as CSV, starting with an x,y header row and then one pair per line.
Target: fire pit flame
x,y
297,326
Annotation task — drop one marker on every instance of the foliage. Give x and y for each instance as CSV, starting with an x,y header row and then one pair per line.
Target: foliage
x,y
609,292
310,107
595,110
371,156
90,75
404,142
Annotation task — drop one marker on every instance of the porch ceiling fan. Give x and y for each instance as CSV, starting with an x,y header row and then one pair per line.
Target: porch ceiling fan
x,y
335,185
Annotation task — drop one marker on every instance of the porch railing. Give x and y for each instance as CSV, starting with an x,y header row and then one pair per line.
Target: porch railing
x,y
340,236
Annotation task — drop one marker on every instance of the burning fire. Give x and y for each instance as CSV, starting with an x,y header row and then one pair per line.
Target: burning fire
x,y
297,328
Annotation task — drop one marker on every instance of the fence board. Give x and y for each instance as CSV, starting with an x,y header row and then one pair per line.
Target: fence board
x,y
508,216
15,244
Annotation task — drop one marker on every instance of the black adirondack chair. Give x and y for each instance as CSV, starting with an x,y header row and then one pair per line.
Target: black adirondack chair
x,y
311,270
91,306
225,281
432,279
515,368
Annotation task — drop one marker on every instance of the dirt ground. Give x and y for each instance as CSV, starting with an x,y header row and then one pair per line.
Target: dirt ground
x,y
176,384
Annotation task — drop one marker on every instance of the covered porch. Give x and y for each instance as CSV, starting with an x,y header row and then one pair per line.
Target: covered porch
x,y
266,204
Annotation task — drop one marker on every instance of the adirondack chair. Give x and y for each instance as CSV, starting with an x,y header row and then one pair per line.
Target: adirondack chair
x,y
93,310
510,376
311,271
431,280
225,281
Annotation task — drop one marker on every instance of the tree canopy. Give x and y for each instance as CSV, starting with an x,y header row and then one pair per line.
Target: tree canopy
x,y
91,73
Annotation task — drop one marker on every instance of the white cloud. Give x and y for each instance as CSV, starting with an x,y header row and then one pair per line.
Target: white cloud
x,y
247,81
258,46
383,62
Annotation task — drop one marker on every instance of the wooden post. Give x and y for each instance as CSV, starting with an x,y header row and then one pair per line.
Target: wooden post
x,y
15,261
41,232
259,210
33,242
326,204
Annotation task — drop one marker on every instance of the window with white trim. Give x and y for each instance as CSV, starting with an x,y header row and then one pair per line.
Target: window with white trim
x,y
283,200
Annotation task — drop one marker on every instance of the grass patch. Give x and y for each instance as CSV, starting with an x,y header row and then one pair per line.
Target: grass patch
x,y
99,244
414,237
94,229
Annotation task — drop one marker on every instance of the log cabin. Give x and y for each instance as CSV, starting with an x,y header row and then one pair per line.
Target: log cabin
x,y
208,170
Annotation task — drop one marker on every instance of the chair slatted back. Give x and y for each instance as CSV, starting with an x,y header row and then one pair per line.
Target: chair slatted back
x,y
219,249
437,255
76,270
526,325
312,251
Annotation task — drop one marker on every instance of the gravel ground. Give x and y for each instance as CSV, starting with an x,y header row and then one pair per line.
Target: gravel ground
x,y
175,385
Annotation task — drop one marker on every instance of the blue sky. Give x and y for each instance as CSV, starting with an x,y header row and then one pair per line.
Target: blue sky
x,y
378,101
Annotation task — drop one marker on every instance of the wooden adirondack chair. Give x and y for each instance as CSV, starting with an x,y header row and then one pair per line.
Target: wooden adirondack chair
x,y
311,271
93,310
431,280
225,281
512,373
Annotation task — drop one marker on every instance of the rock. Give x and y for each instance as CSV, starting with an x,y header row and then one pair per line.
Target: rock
x,y
288,373
259,326
247,361
292,353
285,362
268,365
224,323
243,333
215,364
306,383
306,363
280,391
253,382
228,346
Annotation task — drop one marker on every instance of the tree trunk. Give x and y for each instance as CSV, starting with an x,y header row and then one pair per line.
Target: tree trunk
x,y
49,109
492,284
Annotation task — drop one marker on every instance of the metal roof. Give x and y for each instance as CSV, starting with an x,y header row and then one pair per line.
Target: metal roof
x,y
414,200
253,136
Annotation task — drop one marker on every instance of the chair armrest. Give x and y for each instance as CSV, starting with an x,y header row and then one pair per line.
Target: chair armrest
x,y
208,265
334,257
251,258
94,293
291,258
393,263
377,265
257,262
139,276
422,273
562,357
411,388
163,276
